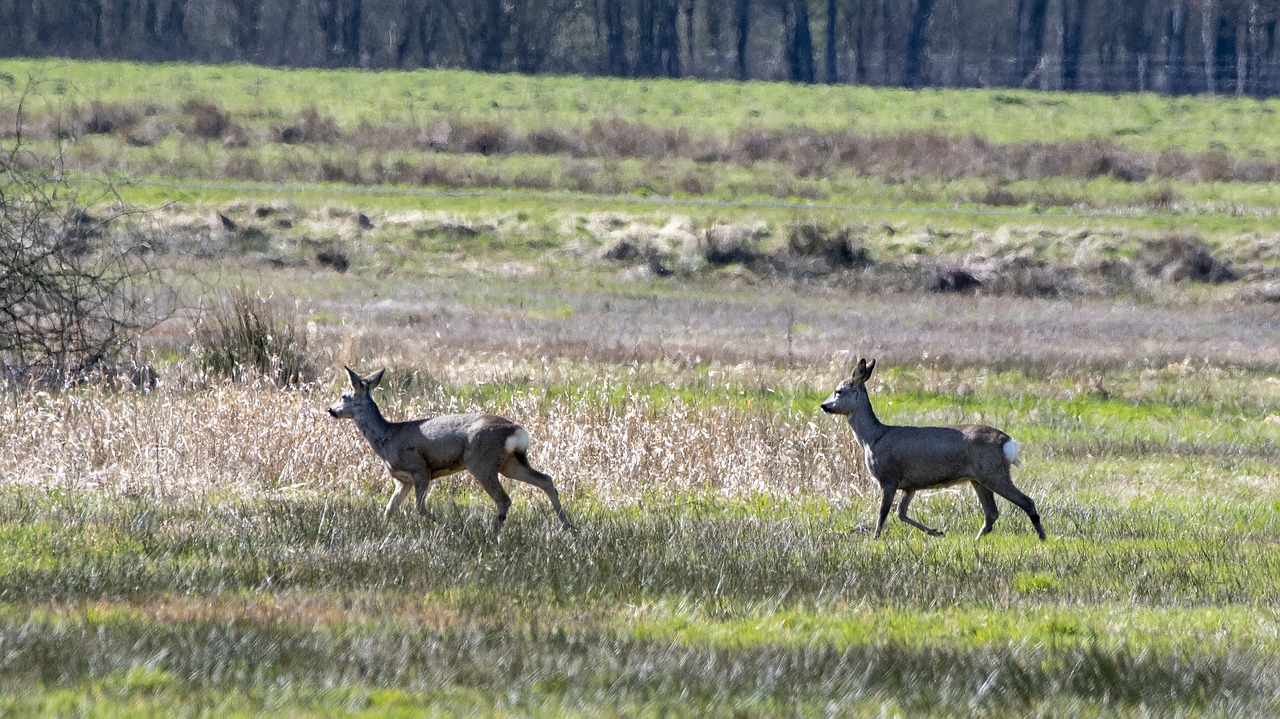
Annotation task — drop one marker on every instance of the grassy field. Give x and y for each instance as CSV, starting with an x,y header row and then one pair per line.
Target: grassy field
x,y
215,547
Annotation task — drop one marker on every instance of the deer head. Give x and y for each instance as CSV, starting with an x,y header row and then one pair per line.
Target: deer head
x,y
361,387
850,395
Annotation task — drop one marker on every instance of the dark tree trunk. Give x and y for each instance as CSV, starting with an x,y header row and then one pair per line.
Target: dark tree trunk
x,y
248,22
646,50
615,39
799,41
1072,29
914,62
1209,51
742,19
1175,49
492,37
830,59
351,31
173,31
1031,22
667,38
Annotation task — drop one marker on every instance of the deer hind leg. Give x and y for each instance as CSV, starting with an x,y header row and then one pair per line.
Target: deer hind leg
x,y
517,467
987,499
421,484
1006,489
902,514
488,478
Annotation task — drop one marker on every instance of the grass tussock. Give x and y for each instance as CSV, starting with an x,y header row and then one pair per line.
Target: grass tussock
x,y
242,337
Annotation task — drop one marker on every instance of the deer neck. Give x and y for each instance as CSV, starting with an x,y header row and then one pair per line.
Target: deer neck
x,y
373,426
866,426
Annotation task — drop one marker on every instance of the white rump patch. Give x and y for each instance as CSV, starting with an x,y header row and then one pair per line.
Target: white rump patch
x,y
519,441
1012,450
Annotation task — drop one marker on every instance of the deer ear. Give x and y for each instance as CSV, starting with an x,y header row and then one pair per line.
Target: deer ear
x,y
871,366
355,378
860,371
375,378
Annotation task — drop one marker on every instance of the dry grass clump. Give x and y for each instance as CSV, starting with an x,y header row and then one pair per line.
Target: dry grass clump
x,y
206,121
250,437
309,127
229,437
1182,257
242,337
104,119
817,249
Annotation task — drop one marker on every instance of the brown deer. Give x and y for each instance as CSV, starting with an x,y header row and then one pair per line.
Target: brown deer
x,y
421,450
914,458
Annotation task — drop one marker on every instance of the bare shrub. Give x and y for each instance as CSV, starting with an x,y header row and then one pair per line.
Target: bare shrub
x,y
76,288
835,247
241,336
1216,167
585,176
206,121
619,138
311,126
1161,199
433,174
1180,257
551,141
953,280
488,138
997,196
729,244
1030,277
333,257
105,119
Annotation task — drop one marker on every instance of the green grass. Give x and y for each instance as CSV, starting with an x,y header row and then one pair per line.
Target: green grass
x,y
1155,592
225,602
1148,122
218,549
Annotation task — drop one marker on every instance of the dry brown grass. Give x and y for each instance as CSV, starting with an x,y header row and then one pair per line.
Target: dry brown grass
x,y
247,439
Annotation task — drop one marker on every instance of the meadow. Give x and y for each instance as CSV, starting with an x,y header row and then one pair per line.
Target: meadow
x,y
213,545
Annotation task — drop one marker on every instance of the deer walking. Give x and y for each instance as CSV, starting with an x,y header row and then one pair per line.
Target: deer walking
x,y
421,450
915,458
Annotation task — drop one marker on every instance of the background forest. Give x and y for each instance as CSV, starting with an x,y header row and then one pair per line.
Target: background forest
x,y
1172,46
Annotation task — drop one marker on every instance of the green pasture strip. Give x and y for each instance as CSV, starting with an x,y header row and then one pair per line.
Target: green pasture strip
x,y
1239,127
1171,552
535,658
1208,207
287,602
931,209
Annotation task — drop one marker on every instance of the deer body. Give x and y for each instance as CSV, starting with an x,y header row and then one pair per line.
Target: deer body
x,y
910,459
421,450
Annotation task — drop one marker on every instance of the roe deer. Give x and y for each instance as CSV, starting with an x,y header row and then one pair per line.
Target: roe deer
x,y
421,450
915,458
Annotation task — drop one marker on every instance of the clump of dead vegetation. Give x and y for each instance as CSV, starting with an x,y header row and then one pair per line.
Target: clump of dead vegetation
x,y
1043,264
806,152
242,336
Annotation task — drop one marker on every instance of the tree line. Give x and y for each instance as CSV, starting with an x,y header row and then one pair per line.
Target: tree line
x,y
1172,46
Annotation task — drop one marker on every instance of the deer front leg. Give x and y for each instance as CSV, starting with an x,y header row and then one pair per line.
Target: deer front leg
x,y
886,503
902,514
403,483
